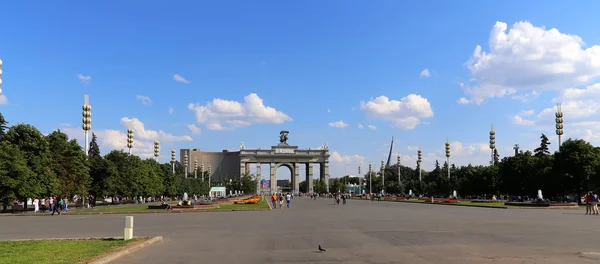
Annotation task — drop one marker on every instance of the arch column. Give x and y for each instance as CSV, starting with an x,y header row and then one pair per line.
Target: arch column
x,y
259,179
325,174
309,177
273,178
296,179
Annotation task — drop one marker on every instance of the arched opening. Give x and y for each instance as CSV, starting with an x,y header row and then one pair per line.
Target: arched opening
x,y
284,178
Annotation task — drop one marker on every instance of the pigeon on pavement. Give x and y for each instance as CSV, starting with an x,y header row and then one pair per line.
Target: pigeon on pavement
x,y
321,249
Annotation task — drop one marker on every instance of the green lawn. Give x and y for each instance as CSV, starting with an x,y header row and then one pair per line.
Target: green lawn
x,y
262,205
56,251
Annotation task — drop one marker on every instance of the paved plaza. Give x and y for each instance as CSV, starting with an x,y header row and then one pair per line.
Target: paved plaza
x,y
359,232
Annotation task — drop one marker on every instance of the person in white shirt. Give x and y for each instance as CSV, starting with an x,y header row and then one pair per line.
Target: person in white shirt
x,y
36,205
288,199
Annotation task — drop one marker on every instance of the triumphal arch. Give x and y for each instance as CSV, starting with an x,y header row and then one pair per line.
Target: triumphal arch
x,y
289,156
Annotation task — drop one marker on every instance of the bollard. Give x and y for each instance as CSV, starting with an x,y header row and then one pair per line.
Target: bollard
x,y
128,228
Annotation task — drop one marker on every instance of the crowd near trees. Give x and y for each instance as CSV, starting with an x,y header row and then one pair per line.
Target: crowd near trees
x,y
35,165
572,170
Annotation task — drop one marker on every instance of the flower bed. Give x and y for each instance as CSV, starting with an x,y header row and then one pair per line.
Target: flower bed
x,y
451,201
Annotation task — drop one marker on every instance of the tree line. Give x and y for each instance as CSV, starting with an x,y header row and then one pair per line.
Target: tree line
x,y
570,171
37,165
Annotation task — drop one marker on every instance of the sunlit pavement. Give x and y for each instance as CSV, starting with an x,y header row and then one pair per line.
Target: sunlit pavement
x,y
358,232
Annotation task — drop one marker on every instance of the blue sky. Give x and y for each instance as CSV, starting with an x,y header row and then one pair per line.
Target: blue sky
x,y
314,62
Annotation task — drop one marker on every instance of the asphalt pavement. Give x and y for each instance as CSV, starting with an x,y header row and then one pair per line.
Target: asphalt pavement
x,y
358,232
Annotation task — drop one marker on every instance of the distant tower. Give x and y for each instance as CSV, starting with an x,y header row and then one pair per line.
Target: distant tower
x,y
447,146
186,163
173,159
87,120
492,143
156,149
130,138
516,148
559,124
419,160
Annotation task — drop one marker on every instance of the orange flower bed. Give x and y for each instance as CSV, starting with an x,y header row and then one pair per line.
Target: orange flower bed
x,y
451,201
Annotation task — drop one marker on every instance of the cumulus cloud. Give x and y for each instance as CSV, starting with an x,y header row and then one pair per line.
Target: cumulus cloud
x,y
405,113
328,110
360,126
179,78
195,130
425,73
144,138
230,115
144,99
347,159
372,127
84,79
527,59
338,124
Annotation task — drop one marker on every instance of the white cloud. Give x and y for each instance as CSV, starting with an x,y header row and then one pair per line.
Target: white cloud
x,y
3,99
412,148
526,97
110,139
527,112
529,58
522,121
338,124
328,110
360,126
179,78
144,99
372,127
229,115
355,159
425,73
195,130
171,110
406,113
84,79
463,100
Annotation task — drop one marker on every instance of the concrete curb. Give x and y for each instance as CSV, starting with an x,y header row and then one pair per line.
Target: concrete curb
x,y
128,249
158,212
451,204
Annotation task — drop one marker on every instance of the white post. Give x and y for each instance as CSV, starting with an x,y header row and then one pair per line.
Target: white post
x,y
87,143
128,233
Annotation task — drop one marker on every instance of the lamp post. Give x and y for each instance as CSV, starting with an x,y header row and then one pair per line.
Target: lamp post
x,y
398,163
195,169
559,124
447,145
130,139
492,142
87,121
156,149
419,160
185,163
382,177
173,160
359,181
370,179
202,171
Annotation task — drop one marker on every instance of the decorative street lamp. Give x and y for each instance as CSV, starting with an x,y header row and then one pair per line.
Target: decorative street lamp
x,y
559,124
398,162
382,177
202,171
195,169
419,160
359,181
370,179
130,139
185,163
492,143
87,121
173,159
448,156
156,149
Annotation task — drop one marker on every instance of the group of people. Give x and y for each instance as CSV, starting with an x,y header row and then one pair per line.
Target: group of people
x,y
591,203
277,198
52,204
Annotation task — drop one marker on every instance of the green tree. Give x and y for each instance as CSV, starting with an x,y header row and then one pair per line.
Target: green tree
x,y
16,179
543,148
3,126
37,154
577,161
94,150
68,161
